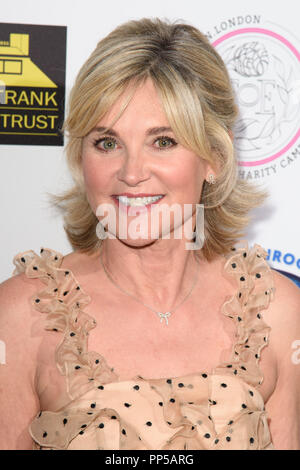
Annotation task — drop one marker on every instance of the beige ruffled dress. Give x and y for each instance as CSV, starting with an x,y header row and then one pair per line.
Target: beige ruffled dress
x,y
200,411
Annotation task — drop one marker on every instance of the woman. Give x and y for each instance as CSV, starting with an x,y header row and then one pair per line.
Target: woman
x,y
180,361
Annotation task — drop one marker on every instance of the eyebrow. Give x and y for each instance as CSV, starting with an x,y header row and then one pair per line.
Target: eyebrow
x,y
151,131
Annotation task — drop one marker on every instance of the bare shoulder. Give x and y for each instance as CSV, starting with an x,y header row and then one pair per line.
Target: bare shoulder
x,y
16,292
286,290
283,407
81,263
74,259
283,314
15,295
21,325
20,328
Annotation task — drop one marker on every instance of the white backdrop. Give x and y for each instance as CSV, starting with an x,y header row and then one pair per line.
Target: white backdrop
x,y
29,172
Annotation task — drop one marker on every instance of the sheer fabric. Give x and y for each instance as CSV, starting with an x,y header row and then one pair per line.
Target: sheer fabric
x,y
221,410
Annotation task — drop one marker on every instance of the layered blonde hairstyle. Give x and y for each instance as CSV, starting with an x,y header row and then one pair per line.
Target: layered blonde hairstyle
x,y
195,90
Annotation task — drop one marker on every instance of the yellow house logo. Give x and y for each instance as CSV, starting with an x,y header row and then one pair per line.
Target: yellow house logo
x,y
16,67
32,103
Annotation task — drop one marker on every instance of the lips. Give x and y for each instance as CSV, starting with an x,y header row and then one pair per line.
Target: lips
x,y
142,202
137,195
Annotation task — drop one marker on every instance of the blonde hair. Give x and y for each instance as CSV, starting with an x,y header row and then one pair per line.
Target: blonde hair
x,y
198,99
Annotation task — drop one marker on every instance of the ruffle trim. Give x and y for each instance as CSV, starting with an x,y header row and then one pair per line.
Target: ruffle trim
x,y
62,301
256,290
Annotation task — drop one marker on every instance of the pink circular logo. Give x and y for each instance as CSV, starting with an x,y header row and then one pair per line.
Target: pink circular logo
x,y
265,71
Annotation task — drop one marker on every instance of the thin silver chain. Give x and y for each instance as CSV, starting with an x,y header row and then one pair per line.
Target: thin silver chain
x,y
162,316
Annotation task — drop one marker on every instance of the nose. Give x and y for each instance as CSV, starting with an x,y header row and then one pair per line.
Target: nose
x,y
134,169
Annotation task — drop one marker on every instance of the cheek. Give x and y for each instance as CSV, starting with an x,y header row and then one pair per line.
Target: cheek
x,y
91,174
96,180
188,176
95,175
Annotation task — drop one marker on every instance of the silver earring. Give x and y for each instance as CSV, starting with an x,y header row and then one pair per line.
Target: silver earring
x,y
100,231
211,179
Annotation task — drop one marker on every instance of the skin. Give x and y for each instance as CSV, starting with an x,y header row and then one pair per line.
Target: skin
x,y
158,272
163,269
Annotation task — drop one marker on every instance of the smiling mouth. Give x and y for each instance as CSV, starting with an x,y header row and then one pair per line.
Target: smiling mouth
x,y
138,201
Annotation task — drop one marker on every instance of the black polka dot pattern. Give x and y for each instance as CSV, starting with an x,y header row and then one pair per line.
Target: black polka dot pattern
x,y
178,401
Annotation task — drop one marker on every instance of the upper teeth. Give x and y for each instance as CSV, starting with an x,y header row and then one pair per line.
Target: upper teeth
x,y
138,201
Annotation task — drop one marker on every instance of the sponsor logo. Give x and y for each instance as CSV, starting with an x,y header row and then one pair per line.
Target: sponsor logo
x,y
32,87
285,261
278,256
263,61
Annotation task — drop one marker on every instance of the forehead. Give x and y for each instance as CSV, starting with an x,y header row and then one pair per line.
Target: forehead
x,y
144,108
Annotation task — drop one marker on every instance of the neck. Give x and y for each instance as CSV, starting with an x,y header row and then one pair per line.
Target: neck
x,y
160,274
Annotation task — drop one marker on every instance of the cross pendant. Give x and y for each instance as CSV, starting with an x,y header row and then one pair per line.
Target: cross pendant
x,y
164,316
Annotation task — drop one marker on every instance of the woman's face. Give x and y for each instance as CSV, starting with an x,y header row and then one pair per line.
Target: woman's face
x,y
140,156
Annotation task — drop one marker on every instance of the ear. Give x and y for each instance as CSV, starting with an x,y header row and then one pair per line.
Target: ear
x,y
230,133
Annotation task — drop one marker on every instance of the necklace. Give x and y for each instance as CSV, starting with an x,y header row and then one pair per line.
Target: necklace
x,y
163,316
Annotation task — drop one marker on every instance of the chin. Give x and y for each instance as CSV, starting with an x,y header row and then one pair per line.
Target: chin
x,y
138,243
